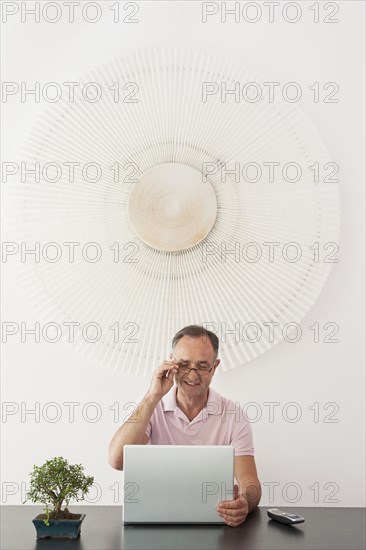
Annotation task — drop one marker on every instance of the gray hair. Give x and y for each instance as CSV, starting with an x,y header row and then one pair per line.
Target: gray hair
x,y
196,331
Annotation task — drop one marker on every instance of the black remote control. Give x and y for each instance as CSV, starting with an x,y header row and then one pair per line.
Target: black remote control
x,y
284,517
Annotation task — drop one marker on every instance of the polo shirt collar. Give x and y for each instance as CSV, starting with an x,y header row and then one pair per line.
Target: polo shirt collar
x,y
213,406
169,400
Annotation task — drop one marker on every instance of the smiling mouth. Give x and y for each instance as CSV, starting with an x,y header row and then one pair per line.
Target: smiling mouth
x,y
191,384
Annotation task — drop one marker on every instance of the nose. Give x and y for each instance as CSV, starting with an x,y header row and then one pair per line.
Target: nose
x,y
195,373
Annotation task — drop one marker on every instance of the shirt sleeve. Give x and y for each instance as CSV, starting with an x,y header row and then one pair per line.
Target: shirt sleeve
x,y
149,427
242,438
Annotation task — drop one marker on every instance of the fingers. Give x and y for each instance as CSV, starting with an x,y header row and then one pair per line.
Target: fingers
x,y
233,522
233,516
233,505
237,502
233,512
170,373
168,369
162,379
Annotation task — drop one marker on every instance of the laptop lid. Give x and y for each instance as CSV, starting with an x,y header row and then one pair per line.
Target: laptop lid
x,y
176,483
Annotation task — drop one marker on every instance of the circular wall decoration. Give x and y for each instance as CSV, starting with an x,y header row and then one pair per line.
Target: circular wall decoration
x,y
163,201
171,208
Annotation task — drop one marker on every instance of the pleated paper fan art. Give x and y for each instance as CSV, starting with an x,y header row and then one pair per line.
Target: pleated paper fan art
x,y
173,189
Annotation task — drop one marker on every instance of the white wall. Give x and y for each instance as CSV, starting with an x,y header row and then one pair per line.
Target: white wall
x,y
321,462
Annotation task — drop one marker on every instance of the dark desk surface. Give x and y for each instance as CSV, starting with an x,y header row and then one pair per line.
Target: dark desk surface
x,y
102,529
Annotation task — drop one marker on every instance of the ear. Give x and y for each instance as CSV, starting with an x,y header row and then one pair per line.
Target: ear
x,y
218,361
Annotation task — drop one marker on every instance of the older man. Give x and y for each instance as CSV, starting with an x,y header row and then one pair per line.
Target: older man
x,y
190,412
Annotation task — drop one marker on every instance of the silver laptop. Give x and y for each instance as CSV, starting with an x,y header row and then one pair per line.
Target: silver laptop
x,y
176,483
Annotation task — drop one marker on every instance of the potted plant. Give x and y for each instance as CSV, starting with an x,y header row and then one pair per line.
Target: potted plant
x,y
52,484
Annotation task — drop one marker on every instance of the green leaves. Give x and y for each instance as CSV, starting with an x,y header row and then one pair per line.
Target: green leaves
x,y
57,480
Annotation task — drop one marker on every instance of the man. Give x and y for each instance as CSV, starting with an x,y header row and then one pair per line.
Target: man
x,y
192,413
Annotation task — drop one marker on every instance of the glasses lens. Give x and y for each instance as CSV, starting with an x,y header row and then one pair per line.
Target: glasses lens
x,y
201,370
183,369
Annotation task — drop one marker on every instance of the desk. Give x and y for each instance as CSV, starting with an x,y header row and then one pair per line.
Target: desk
x,y
324,529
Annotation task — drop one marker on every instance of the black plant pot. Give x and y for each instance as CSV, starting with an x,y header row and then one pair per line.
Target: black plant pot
x,y
59,528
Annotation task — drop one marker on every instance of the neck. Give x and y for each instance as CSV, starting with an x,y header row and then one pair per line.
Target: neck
x,y
191,406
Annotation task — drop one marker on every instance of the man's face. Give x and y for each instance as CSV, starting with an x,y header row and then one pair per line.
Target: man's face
x,y
194,352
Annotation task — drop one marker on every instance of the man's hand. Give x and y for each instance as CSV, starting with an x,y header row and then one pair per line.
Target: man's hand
x,y
234,512
162,379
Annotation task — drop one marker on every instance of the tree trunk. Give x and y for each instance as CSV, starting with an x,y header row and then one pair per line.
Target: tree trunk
x,y
58,506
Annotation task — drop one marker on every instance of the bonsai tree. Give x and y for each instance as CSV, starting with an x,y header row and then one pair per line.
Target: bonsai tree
x,y
55,482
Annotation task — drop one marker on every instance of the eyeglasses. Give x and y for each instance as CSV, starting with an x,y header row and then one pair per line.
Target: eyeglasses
x,y
202,369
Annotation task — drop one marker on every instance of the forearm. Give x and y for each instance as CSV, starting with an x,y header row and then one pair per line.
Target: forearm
x,y
132,431
252,492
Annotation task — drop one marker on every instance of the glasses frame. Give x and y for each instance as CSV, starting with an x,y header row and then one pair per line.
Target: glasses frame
x,y
188,369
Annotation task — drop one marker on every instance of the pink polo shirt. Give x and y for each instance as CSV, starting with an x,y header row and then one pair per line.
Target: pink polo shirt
x,y
221,422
